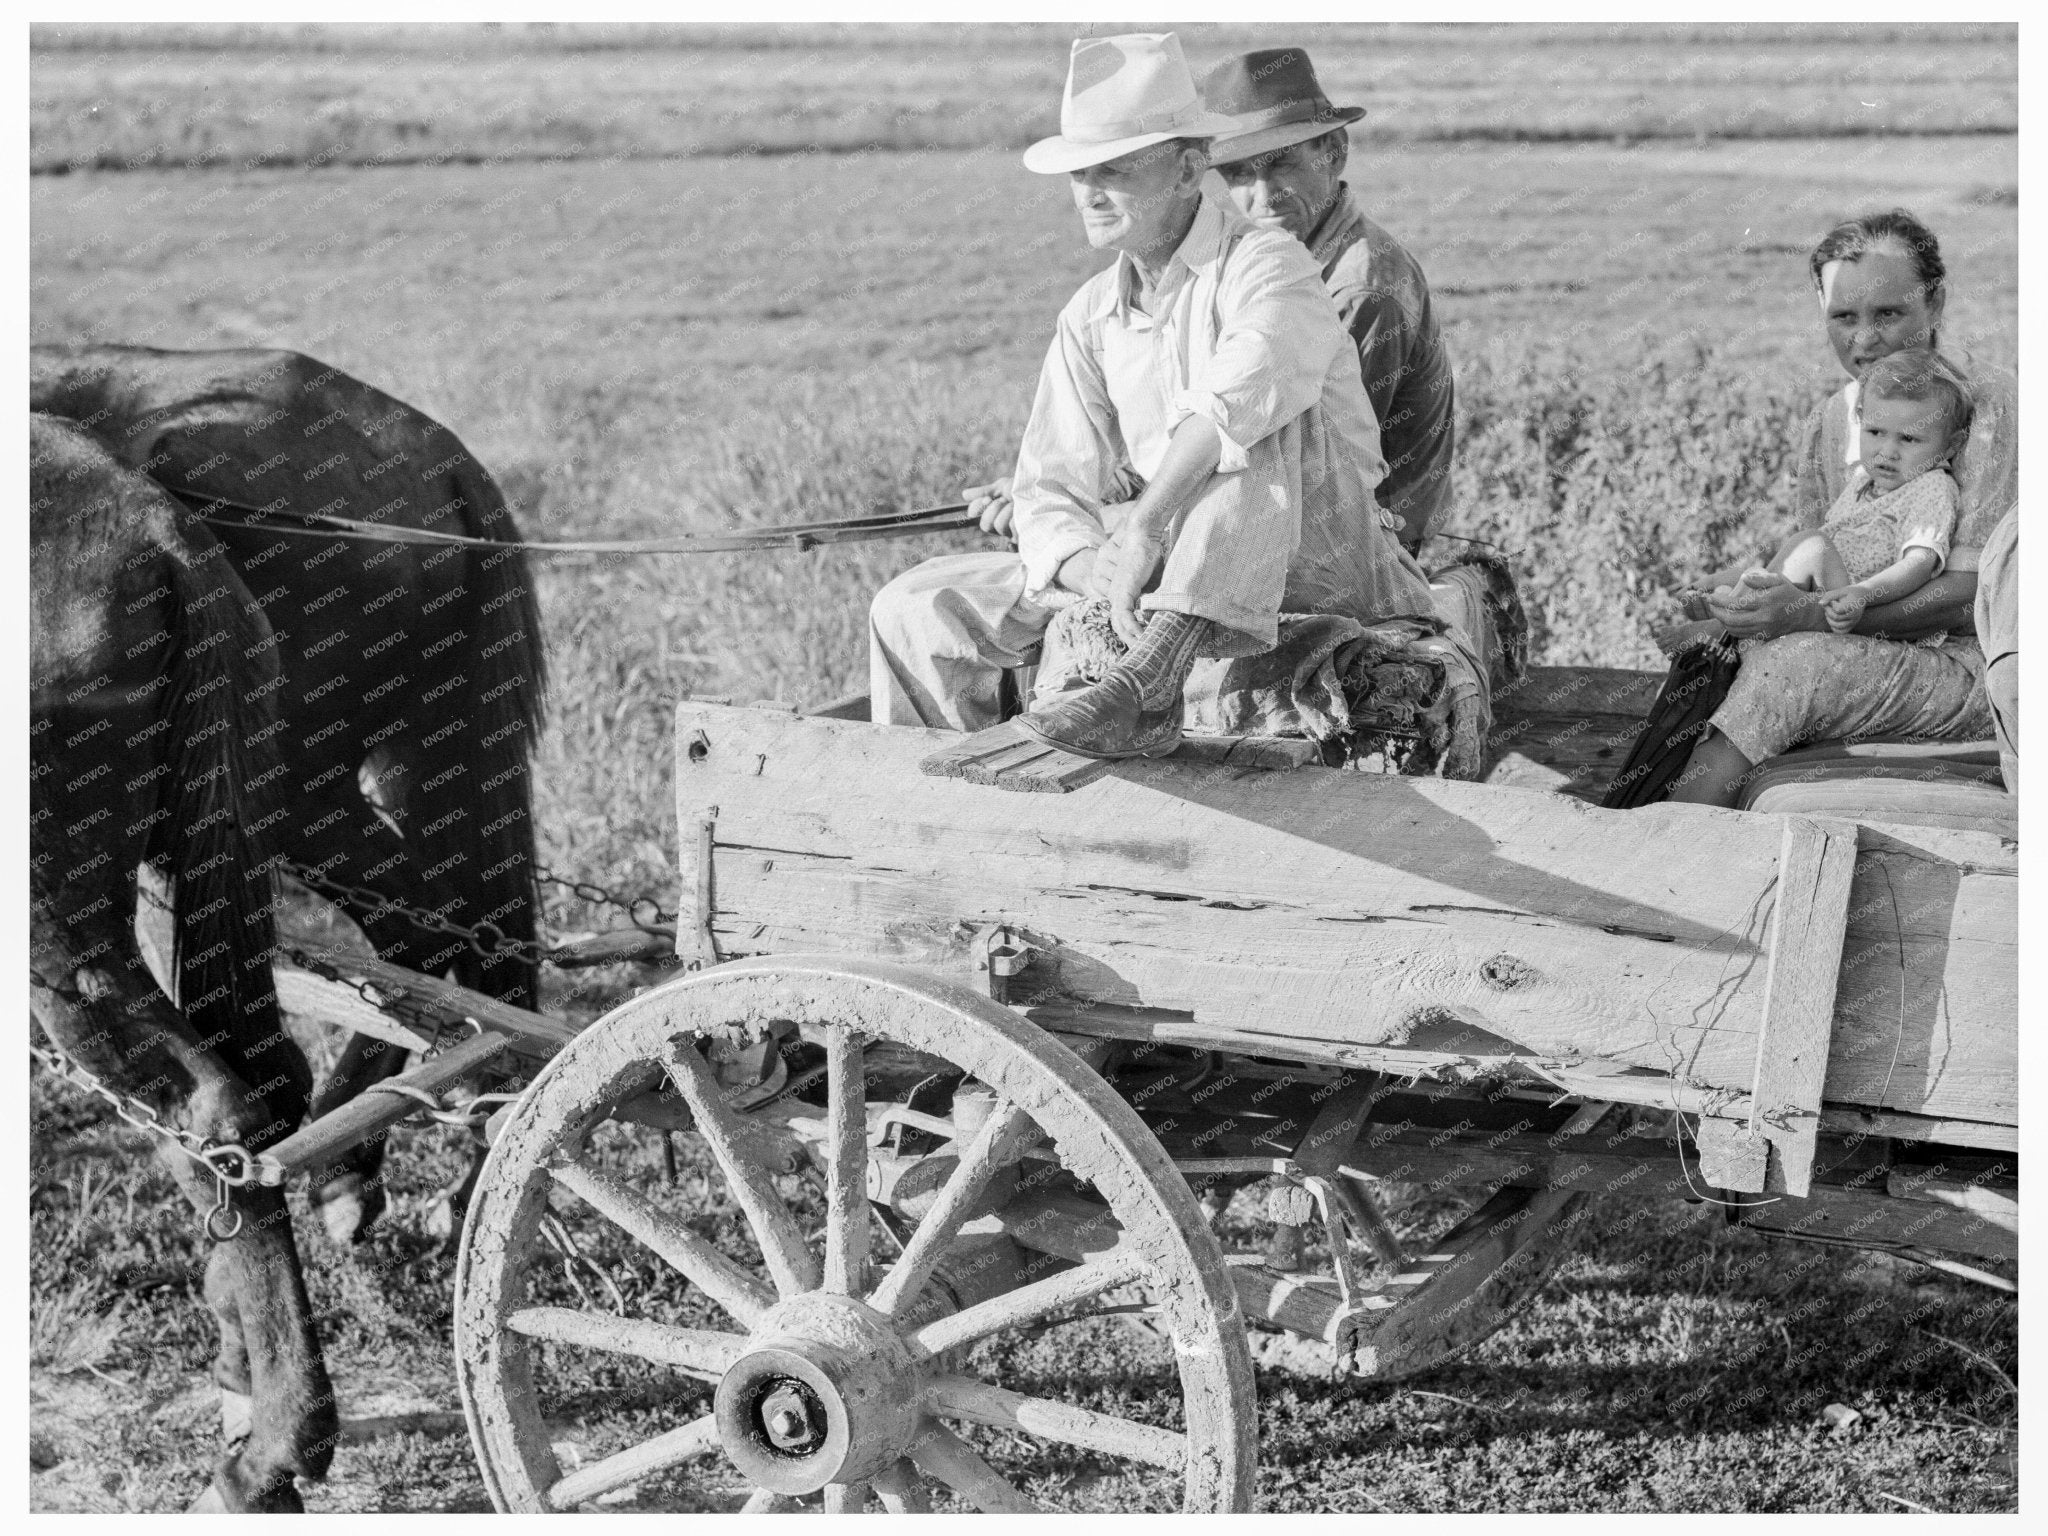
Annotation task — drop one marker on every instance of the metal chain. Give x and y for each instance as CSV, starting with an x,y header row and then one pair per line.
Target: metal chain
x,y
597,895
411,1014
231,1164
488,939
378,904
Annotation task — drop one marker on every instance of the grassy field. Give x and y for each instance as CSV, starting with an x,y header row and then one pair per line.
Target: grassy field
x,y
638,345
105,96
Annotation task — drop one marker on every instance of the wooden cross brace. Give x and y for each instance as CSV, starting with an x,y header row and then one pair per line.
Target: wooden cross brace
x,y
1771,1150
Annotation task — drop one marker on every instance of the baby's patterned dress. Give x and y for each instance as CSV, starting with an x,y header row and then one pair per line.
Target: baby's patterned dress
x,y
1871,529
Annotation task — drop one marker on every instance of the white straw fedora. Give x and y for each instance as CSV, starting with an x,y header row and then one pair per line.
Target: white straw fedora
x,y
1124,93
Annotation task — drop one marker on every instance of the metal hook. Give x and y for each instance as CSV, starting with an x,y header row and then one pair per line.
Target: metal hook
x,y
1007,956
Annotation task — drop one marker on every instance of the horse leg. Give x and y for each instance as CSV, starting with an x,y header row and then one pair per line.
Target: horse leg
x,y
256,1286
349,1193
93,996
362,850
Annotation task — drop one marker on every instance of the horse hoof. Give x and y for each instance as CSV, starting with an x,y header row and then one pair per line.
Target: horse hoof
x,y
349,1206
232,1491
236,1416
442,1221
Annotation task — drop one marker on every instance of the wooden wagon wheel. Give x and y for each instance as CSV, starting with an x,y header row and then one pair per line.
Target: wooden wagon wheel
x,y
825,1380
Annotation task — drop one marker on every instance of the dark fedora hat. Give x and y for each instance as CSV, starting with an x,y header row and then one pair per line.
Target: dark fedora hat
x,y
1275,99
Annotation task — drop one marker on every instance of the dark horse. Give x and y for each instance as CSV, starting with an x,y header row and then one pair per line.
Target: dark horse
x,y
152,732
413,675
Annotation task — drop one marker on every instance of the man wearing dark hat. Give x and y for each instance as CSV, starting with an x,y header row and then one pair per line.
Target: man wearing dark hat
x,y
1285,168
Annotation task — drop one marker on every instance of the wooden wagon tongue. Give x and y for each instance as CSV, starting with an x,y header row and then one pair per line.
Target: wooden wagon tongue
x,y
1763,973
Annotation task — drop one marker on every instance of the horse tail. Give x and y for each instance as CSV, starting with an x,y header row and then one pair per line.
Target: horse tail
x,y
222,755
480,780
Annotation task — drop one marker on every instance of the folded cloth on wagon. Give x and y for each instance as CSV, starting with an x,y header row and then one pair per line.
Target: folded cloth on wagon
x,y
1404,693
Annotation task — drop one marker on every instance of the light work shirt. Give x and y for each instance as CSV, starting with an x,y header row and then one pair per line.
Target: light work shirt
x,y
1241,331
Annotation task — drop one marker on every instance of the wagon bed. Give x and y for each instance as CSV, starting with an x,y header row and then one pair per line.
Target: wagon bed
x,y
1225,968
1686,958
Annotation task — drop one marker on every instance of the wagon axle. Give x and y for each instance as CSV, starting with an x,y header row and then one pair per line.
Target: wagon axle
x,y
827,1393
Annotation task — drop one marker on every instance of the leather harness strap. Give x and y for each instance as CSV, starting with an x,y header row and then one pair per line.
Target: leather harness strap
x,y
883,525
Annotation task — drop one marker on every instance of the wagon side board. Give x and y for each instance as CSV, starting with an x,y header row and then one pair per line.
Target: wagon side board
x,y
1624,954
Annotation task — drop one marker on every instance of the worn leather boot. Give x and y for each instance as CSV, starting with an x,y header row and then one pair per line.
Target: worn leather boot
x,y
1135,710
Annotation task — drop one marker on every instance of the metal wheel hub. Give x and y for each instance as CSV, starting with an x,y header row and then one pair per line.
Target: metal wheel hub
x,y
827,1392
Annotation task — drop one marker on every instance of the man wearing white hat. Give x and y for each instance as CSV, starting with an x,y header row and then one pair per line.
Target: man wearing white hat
x,y
1201,452
1284,165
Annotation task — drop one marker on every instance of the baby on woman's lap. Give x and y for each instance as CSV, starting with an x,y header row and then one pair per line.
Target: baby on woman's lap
x,y
1888,534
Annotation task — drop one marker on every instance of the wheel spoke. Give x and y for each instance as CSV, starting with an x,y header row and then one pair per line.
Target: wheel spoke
x,y
941,1454
846,1162
1007,1130
693,1351
630,1465
766,1501
901,1490
793,1266
962,1397
846,1498
725,1282
1028,1303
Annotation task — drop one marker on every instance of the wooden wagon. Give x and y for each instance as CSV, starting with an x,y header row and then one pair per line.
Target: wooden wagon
x,y
1012,1053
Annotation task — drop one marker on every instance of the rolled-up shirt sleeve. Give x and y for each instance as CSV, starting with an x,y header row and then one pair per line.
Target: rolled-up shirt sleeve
x,y
1278,334
1069,462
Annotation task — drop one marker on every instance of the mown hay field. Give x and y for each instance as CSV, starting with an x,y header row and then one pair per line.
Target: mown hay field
x,y
122,96
640,345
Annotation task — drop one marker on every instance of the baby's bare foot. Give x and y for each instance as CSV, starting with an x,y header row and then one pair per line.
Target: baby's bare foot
x,y
1673,638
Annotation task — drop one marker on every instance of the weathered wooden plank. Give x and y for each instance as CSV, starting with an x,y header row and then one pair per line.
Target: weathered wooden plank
x,y
1057,773
535,1036
1733,1154
373,1111
1579,691
1363,910
312,999
1575,755
1272,752
1816,865
1838,1120
1994,1201
992,768
958,753
848,706
1878,1219
1005,757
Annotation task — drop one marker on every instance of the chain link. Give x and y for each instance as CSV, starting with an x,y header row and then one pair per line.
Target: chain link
x,y
423,1021
231,1164
377,904
597,895
488,939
